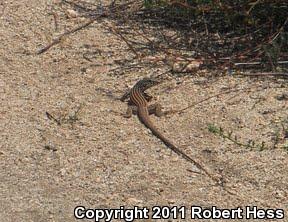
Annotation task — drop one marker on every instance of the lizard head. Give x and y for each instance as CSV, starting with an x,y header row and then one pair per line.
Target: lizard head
x,y
146,83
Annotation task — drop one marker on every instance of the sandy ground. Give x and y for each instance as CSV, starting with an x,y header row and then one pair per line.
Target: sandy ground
x,y
97,158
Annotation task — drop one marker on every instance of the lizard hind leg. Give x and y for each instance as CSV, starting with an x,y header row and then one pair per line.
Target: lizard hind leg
x,y
155,109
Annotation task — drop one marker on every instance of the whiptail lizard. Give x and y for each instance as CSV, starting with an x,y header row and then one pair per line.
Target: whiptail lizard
x,y
139,104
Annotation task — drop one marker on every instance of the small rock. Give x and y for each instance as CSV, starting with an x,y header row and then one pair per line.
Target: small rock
x,y
283,96
134,201
72,13
50,146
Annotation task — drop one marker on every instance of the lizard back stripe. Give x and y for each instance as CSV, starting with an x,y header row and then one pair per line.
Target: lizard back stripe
x,y
137,98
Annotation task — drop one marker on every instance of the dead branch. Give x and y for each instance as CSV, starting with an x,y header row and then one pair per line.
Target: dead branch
x,y
257,63
58,39
118,33
264,74
110,10
201,101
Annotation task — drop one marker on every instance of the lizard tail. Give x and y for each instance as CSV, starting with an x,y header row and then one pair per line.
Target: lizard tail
x,y
144,118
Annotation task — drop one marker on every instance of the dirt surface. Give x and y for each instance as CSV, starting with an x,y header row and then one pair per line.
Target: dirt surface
x,y
65,143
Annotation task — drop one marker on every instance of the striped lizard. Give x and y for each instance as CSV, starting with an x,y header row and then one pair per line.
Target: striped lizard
x,y
138,104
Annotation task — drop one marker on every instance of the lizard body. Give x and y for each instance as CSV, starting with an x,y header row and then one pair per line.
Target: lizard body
x,y
140,99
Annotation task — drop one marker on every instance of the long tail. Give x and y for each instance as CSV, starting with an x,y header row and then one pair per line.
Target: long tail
x,y
144,118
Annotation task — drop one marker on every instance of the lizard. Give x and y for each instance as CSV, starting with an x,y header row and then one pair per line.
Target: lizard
x,y
138,104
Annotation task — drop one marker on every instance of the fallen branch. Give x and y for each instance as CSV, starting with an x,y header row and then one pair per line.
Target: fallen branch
x,y
58,39
263,74
111,10
118,33
201,101
257,63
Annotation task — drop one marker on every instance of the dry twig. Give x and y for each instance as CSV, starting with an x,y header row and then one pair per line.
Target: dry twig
x,y
262,74
105,13
118,33
58,39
